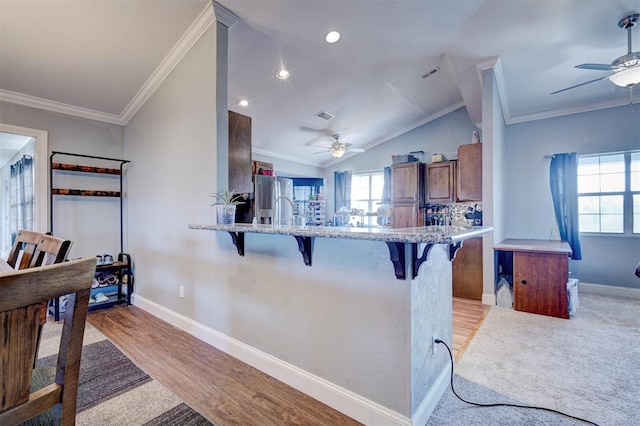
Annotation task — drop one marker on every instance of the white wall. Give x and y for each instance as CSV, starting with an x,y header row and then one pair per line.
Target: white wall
x,y
605,260
93,223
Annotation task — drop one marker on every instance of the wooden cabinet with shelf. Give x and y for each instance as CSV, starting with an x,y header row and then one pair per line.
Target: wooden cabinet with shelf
x,y
539,271
470,172
120,268
407,194
441,182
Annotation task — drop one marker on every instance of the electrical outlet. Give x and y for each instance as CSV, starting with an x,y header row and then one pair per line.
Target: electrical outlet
x,y
181,292
434,345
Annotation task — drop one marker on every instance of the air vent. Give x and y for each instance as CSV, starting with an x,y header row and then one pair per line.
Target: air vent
x,y
325,115
430,73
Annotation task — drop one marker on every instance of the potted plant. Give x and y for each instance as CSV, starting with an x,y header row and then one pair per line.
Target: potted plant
x,y
226,202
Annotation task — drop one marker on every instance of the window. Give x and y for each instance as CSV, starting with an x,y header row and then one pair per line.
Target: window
x,y
609,193
366,194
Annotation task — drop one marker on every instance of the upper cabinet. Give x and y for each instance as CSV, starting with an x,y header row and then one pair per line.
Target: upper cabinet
x,y
240,153
441,182
407,182
470,172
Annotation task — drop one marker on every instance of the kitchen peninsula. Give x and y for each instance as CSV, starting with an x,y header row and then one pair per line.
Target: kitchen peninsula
x,y
353,322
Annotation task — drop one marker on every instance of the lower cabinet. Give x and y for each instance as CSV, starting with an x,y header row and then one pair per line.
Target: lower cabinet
x,y
467,270
540,272
406,215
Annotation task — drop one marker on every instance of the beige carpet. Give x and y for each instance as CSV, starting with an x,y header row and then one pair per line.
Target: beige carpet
x,y
588,366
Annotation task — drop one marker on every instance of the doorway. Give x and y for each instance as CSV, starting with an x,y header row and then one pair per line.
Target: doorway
x,y
14,139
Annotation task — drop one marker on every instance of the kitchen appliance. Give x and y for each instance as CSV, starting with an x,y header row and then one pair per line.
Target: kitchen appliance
x,y
268,189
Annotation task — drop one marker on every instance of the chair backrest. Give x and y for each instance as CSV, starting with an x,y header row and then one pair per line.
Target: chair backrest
x,y
23,248
21,294
50,250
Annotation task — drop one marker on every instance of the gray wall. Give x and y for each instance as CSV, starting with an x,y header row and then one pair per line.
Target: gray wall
x,y
442,135
346,319
606,260
93,223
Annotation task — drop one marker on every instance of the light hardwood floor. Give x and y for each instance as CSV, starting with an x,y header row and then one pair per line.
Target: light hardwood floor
x,y
224,389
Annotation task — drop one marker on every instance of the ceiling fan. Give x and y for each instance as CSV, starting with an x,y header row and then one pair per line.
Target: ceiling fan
x,y
626,68
338,149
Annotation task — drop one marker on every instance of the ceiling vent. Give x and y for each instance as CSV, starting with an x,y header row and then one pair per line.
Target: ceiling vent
x,y
430,73
325,115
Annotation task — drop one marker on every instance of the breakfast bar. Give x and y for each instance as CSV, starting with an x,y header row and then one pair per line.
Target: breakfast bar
x,y
352,324
402,242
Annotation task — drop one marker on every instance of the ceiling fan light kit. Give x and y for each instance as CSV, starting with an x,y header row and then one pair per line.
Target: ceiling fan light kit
x,y
626,78
626,68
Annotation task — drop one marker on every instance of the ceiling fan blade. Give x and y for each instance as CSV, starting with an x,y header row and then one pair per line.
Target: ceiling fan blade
x,y
600,67
578,85
355,150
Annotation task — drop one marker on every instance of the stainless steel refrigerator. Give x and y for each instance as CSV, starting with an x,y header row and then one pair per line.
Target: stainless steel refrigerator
x,y
268,189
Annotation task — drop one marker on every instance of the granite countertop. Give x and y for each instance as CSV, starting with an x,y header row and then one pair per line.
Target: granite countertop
x,y
422,234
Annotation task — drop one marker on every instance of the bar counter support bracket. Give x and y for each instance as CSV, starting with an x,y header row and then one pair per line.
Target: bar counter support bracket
x,y
305,245
397,255
420,260
453,249
238,241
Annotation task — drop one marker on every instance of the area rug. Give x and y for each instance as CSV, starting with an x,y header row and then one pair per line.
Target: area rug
x,y
113,390
586,366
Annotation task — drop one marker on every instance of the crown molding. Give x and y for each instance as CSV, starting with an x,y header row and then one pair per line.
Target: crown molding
x,y
173,58
224,15
186,42
45,104
569,111
285,157
495,64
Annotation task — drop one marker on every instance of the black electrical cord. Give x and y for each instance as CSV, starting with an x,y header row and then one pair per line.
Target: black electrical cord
x,y
501,404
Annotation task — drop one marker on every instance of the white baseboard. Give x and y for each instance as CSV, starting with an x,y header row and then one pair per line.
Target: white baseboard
x,y
488,299
430,401
608,290
343,400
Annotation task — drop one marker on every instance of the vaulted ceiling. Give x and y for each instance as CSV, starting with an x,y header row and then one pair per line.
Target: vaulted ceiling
x,y
398,64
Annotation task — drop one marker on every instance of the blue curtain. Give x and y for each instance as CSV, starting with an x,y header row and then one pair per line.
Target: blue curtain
x,y
342,190
564,191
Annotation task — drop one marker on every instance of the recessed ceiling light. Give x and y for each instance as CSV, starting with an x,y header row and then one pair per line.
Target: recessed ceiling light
x,y
243,103
332,36
282,74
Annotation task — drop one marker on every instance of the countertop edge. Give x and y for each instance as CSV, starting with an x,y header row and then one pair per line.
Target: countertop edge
x,y
424,234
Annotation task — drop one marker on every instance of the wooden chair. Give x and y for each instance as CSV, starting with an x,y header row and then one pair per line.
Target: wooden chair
x,y
25,243
21,294
50,250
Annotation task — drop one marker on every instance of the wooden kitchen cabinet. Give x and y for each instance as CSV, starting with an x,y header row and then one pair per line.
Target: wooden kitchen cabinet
x,y
441,181
240,153
540,274
406,215
407,182
467,270
469,176
407,194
